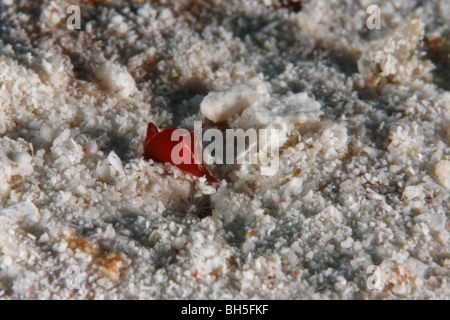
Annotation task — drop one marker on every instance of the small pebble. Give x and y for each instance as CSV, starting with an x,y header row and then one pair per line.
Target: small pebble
x,y
20,157
115,161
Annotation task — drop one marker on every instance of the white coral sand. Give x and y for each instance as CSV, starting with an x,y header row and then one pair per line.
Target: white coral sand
x,y
358,209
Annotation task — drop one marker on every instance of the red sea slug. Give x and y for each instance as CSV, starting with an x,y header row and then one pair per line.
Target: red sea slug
x,y
158,146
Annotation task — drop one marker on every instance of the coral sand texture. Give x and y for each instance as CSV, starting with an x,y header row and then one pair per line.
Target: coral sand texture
x,y
364,175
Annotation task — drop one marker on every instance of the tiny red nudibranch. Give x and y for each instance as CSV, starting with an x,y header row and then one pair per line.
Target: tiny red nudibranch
x,y
158,146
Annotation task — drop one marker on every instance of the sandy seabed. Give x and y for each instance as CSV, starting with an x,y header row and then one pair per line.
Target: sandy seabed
x,y
358,209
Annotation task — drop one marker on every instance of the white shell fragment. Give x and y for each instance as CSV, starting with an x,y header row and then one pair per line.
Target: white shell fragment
x,y
102,172
20,157
22,211
115,79
219,106
442,173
